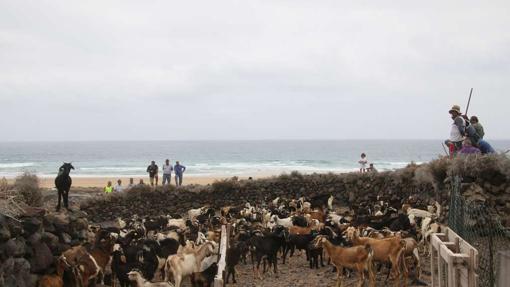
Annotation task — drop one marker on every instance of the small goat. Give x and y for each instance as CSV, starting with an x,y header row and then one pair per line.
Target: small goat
x,y
358,258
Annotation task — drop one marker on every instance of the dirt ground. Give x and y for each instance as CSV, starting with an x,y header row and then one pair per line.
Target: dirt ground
x,y
297,273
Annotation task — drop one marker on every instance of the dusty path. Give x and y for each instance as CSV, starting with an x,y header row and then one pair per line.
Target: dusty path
x,y
297,273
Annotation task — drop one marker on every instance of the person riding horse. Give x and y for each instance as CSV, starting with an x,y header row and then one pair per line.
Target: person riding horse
x,y
63,184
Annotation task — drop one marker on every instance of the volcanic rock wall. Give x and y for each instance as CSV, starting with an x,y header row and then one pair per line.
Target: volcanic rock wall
x,y
348,190
488,175
30,244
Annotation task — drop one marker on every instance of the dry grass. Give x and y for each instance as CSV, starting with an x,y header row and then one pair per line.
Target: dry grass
x,y
27,187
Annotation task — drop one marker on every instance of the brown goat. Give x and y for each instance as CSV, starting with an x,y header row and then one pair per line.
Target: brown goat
x,y
80,263
358,258
101,252
317,214
385,250
411,250
53,280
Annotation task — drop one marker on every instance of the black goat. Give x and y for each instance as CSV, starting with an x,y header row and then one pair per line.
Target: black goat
x,y
120,269
63,184
206,277
299,221
155,224
206,216
267,245
400,223
234,255
314,252
297,241
150,260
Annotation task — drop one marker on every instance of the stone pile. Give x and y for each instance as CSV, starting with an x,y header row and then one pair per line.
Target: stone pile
x,y
30,244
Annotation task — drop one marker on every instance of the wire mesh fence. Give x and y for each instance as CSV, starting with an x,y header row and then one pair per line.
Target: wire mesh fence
x,y
479,225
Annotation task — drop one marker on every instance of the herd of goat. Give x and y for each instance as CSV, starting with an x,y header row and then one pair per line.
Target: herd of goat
x,y
165,250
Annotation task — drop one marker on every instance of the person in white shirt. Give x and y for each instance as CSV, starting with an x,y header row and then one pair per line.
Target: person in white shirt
x,y
118,187
167,172
363,163
131,183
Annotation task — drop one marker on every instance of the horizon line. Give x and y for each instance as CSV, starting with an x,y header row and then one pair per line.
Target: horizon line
x,y
233,140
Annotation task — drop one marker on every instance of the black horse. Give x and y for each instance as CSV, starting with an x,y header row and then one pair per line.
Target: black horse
x,y
63,183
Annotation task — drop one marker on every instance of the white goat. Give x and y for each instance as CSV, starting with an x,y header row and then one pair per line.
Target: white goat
x,y
168,234
193,213
180,223
285,222
330,202
183,265
137,277
412,213
200,238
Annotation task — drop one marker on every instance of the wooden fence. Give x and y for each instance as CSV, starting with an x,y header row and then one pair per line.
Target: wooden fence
x,y
454,262
224,243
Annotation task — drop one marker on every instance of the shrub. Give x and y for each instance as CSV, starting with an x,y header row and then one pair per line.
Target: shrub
x,y
226,185
138,191
4,185
27,186
439,169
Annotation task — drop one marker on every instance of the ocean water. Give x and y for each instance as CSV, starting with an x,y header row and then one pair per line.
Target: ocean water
x,y
215,158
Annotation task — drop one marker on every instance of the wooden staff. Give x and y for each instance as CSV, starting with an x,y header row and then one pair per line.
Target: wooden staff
x,y
469,101
444,148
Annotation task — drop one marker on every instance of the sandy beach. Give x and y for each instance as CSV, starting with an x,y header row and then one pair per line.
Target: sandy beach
x,y
47,182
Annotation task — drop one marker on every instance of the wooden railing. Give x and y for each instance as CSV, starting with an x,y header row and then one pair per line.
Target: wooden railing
x,y
453,261
224,243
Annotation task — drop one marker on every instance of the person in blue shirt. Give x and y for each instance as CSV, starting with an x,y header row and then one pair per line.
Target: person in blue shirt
x,y
485,147
179,171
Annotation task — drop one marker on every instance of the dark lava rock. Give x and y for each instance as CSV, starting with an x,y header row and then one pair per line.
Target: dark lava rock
x,y
42,258
31,225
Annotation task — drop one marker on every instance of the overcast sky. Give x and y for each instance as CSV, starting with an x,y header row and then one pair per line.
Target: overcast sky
x,y
182,70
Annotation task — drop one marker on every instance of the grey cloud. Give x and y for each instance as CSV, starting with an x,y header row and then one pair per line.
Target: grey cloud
x,y
249,70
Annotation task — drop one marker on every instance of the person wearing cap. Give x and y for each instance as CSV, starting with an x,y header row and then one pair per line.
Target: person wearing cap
x,y
478,127
152,169
457,131
167,172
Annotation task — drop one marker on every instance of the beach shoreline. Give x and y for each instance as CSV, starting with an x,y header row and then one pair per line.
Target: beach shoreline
x,y
101,181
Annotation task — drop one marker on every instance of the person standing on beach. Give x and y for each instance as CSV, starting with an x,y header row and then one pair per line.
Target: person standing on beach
x,y
179,171
478,127
131,183
457,132
118,187
167,172
108,189
363,163
153,172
